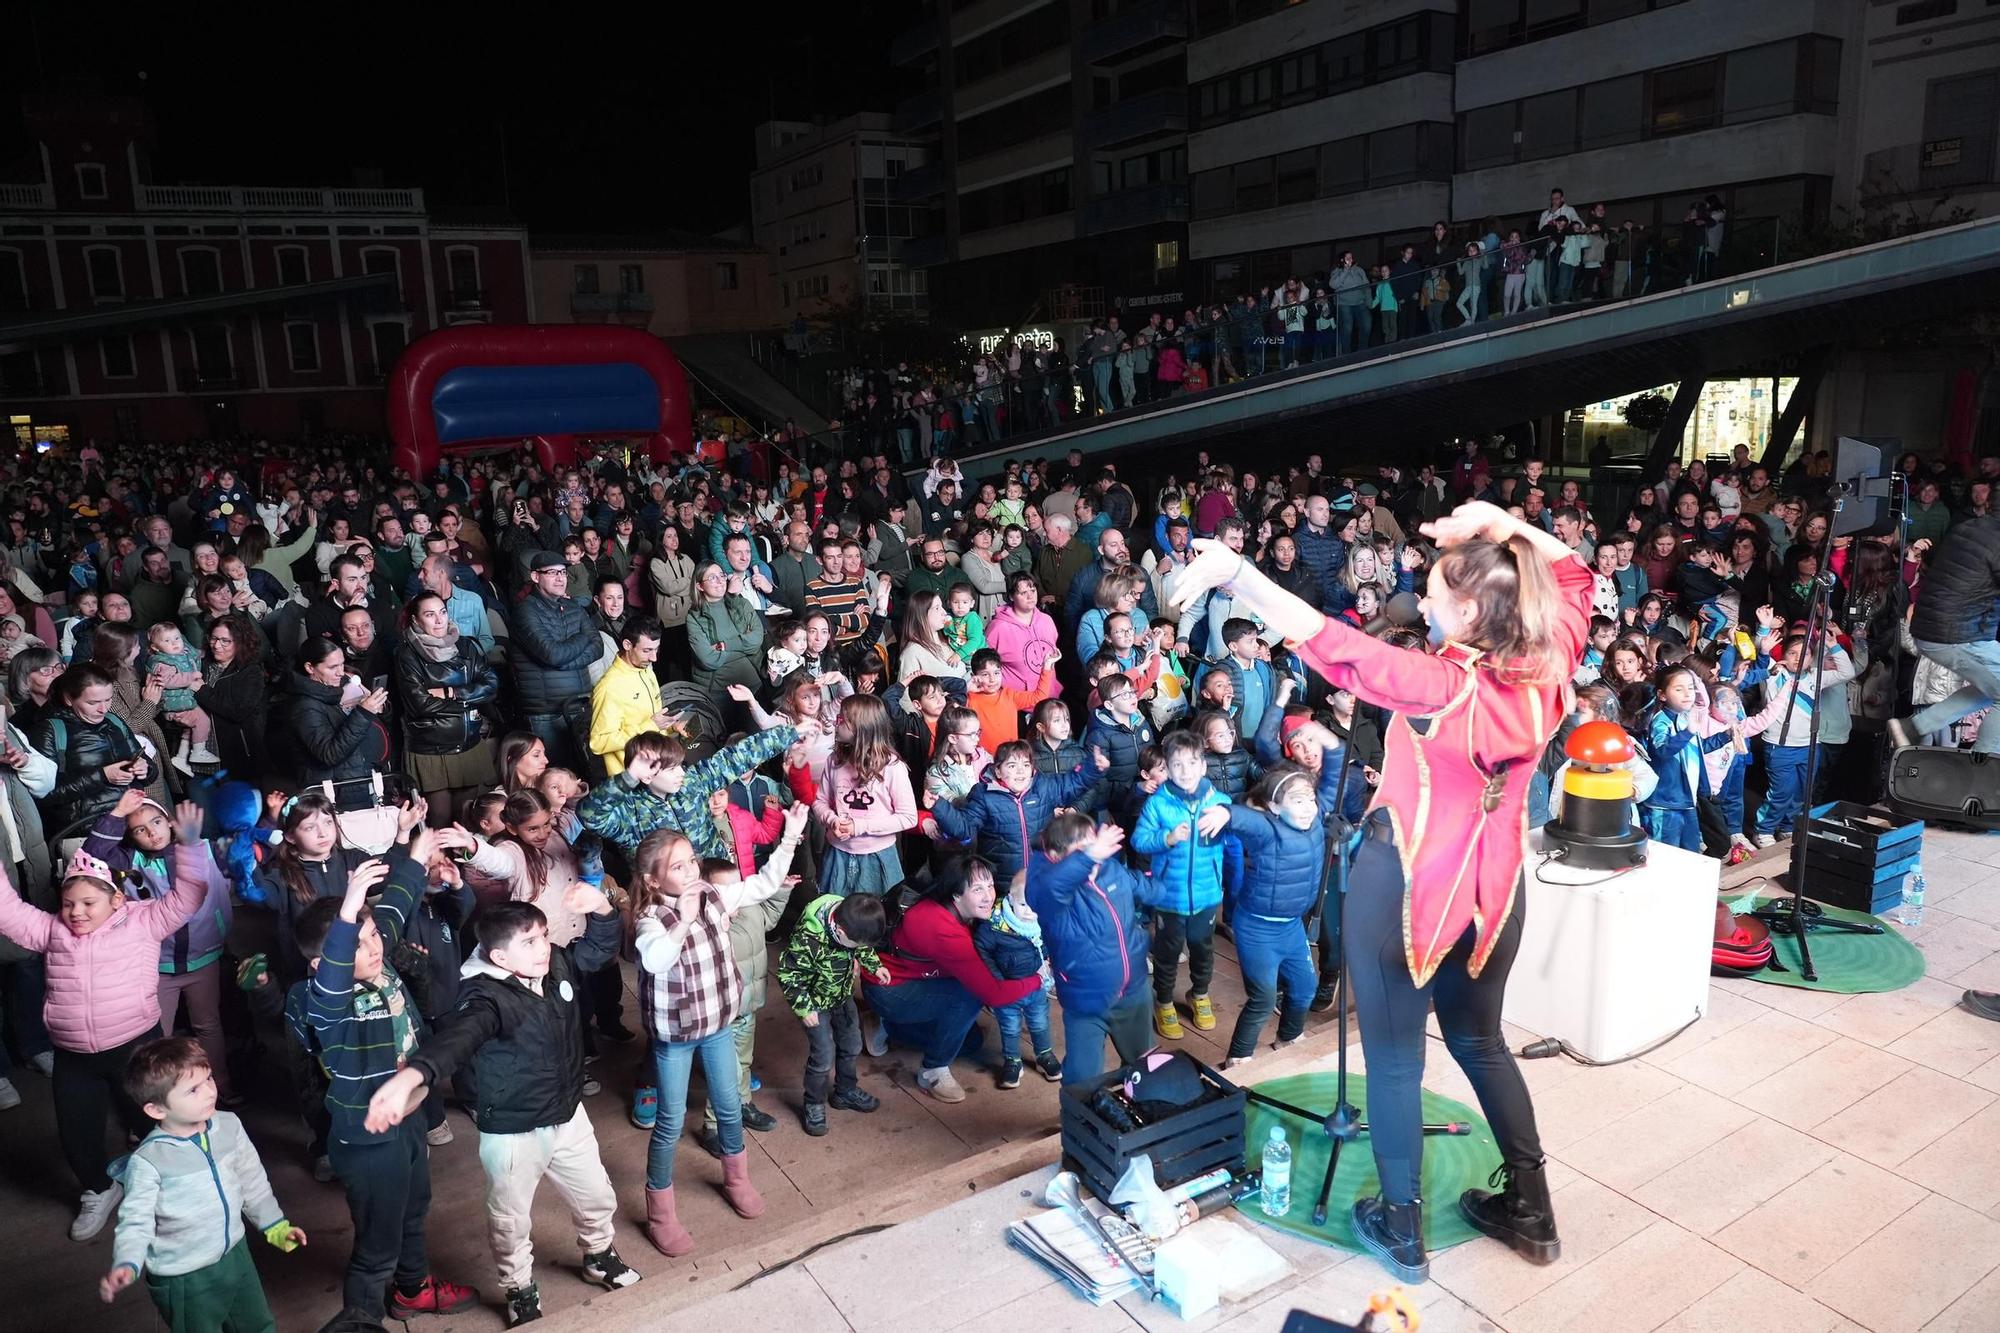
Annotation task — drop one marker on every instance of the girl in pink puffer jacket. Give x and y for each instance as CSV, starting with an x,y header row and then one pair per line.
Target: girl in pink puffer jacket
x,y
103,996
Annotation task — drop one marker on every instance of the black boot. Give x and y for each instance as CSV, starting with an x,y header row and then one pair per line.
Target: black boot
x,y
1394,1233
1520,1214
1323,997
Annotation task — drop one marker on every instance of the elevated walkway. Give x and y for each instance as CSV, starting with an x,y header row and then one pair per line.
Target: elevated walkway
x,y
1519,367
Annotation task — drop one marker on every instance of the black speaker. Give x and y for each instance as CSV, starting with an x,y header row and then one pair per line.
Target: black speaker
x,y
1940,785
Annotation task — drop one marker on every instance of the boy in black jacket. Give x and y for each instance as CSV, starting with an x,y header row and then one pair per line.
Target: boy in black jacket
x,y
519,1022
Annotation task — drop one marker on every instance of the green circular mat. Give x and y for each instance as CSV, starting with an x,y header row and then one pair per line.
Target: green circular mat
x,y
1452,1163
1847,964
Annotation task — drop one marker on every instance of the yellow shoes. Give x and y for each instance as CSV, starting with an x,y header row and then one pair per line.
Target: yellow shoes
x,y
1167,1022
1204,1013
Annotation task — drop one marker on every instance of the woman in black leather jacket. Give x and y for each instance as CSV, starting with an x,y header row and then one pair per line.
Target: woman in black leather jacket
x,y
232,693
442,683
97,755
314,737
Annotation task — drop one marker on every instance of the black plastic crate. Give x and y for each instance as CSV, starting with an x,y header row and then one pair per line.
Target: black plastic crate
x,y
1190,1143
1856,856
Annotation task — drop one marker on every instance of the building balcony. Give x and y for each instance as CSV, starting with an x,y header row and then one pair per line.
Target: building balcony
x,y
1957,163
913,44
919,183
1163,112
919,112
275,199
925,251
594,306
36,195
1145,206
469,298
1134,31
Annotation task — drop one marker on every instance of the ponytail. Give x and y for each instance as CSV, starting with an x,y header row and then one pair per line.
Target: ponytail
x,y
1517,601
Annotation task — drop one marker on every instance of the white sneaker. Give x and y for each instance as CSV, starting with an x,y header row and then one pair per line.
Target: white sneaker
x,y
97,1208
1235,1060
877,1042
591,1087
180,759
201,754
940,1084
10,1096
45,1063
1762,840
440,1136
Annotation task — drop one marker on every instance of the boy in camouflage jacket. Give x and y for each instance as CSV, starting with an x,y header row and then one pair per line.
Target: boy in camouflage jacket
x,y
816,973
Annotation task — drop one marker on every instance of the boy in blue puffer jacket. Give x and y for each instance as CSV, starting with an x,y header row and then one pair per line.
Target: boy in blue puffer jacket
x,y
1004,815
1283,829
1180,829
1086,901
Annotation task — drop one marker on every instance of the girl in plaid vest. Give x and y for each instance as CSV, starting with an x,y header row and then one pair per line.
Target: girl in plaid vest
x,y
690,992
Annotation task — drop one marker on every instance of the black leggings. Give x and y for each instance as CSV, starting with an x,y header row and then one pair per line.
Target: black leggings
x,y
87,1085
1392,1008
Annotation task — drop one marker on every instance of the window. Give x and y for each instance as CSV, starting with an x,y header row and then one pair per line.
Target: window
x,y
1399,47
116,355
107,272
1822,84
13,281
1490,24
583,279
90,181
384,259
390,338
1548,124
1684,98
1298,175
1343,62
302,345
201,272
1559,14
1759,82
725,276
461,263
1254,184
1614,112
1395,155
1921,10
1214,193
1343,165
631,279
1298,78
1253,91
1487,139
1166,261
294,266
213,358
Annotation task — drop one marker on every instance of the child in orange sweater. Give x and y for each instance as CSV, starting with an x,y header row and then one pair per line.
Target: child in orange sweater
x,y
999,709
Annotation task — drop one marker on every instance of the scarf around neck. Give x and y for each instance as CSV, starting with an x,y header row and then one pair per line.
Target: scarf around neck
x,y
437,647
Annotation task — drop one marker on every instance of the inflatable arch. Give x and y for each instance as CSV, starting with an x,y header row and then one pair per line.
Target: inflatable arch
x,y
459,388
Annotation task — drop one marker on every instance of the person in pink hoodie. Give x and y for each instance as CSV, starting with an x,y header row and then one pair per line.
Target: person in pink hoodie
x,y
865,803
103,998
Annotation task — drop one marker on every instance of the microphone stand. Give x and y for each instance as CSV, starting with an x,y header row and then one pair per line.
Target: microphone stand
x,y
1796,918
1343,1124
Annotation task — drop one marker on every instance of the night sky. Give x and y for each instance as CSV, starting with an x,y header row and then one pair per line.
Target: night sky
x,y
610,122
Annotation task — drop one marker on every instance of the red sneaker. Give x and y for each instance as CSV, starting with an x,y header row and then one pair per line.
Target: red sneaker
x,y
434,1297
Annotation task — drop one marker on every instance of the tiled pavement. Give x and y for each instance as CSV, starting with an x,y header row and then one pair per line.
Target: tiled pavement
x,y
1796,1161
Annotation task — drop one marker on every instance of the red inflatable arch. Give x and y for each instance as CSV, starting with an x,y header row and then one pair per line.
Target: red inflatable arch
x,y
474,385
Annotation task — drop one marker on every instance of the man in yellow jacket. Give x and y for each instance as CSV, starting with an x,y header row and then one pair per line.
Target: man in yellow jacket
x,y
626,699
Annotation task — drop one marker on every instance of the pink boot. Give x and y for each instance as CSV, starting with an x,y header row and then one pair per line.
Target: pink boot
x,y
663,1228
736,1186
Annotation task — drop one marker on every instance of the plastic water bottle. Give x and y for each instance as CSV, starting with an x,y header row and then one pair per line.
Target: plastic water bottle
x,y
1912,914
1277,1191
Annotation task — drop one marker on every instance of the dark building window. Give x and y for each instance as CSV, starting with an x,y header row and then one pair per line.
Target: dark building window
x,y
1390,51
293,266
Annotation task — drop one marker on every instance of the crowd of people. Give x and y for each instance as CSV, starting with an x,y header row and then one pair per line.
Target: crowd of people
x,y
411,763
1458,277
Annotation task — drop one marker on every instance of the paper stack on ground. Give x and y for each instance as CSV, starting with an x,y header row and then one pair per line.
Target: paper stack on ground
x,y
1074,1252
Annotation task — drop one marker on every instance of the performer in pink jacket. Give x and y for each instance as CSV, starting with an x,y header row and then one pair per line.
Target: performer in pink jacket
x,y
1432,915
103,999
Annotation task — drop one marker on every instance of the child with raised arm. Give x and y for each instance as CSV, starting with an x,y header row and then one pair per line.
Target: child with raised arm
x,y
189,1185
102,953
364,1025
519,1024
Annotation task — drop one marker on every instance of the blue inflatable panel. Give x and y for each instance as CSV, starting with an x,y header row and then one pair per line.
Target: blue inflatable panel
x,y
498,402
